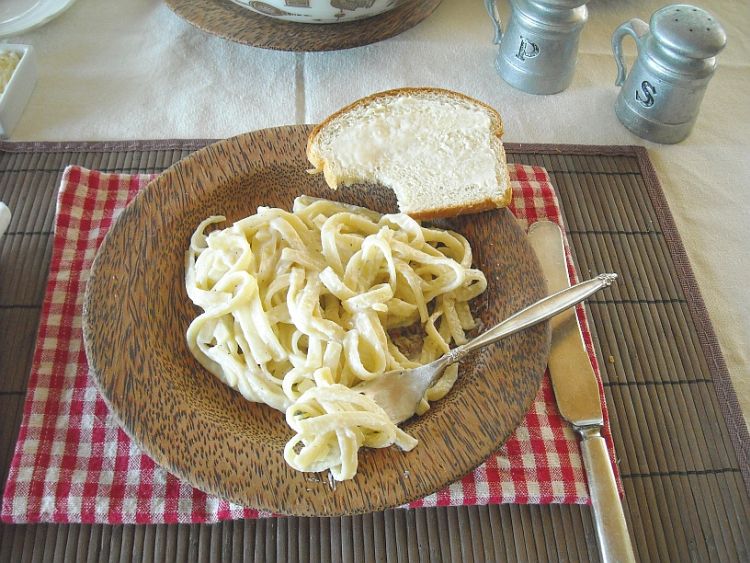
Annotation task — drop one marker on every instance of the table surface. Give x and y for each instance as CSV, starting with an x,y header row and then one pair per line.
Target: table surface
x,y
134,70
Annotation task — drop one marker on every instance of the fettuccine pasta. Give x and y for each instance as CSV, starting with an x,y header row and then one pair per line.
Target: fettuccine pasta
x,y
300,307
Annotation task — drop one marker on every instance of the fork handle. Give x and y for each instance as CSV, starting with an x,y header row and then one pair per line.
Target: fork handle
x,y
535,313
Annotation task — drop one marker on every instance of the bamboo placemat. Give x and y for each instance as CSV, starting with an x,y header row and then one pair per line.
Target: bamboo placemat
x,y
677,427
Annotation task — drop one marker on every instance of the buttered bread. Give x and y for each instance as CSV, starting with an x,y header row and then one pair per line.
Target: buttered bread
x,y
439,151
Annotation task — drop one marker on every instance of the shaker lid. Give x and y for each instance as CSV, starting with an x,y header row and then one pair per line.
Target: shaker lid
x,y
688,30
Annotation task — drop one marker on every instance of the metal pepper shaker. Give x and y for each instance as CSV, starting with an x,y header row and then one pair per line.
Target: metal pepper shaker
x,y
538,50
661,95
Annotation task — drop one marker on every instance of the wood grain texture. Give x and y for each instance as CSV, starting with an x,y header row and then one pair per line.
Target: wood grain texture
x,y
235,23
136,313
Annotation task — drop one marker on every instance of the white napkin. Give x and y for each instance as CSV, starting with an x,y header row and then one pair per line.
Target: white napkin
x,y
172,81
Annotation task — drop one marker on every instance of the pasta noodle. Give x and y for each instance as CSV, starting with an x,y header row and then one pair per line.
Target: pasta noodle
x,y
300,307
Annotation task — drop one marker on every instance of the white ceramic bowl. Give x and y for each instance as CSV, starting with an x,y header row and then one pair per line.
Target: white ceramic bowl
x,y
18,90
320,11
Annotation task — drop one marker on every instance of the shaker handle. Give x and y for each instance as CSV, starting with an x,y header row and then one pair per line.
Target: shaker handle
x,y
495,17
635,28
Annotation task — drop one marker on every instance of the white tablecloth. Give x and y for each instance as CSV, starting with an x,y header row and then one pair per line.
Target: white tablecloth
x,y
134,70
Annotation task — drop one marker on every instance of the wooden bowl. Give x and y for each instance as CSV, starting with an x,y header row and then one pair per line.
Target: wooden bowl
x,y
136,312
320,11
231,21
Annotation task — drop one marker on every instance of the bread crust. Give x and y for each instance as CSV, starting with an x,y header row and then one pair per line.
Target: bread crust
x,y
453,211
496,128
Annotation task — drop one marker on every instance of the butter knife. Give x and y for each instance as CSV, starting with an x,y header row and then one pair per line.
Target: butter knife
x,y
577,395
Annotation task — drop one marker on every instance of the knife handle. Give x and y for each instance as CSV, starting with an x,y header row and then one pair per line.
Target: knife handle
x,y
611,528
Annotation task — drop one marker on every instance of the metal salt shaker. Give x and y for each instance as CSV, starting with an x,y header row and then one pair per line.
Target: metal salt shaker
x,y
538,49
661,96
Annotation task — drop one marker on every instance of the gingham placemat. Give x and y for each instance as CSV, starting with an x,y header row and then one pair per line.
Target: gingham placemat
x,y
72,463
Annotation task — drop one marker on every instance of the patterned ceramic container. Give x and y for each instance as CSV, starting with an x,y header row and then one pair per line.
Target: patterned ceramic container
x,y
320,11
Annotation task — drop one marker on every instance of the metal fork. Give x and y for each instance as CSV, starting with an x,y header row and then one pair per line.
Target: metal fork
x,y
399,391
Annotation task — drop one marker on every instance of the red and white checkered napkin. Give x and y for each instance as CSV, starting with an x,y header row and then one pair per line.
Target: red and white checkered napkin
x,y
72,462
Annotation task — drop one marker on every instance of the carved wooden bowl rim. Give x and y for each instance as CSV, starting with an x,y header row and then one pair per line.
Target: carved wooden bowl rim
x,y
233,22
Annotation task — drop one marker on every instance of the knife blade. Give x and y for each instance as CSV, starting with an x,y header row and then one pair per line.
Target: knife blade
x,y
573,379
577,396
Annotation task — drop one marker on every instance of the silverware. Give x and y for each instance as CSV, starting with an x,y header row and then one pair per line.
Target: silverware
x,y
577,395
398,392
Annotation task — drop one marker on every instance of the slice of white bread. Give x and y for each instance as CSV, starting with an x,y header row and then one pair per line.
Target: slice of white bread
x,y
438,150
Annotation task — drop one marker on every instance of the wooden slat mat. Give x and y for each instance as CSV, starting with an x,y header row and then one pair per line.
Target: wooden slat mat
x,y
678,431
